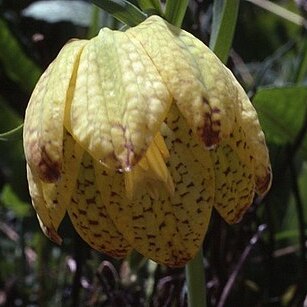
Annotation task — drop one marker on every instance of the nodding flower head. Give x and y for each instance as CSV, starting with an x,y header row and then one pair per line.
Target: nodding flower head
x,y
137,135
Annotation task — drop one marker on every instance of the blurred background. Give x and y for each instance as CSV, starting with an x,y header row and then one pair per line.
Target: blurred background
x,y
260,262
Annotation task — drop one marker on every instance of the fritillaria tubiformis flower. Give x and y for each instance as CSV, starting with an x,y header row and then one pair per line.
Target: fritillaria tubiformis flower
x,y
137,135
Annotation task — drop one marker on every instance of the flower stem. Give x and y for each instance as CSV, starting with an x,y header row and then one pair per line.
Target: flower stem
x,y
195,277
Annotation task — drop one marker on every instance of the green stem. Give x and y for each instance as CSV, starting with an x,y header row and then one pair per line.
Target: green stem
x,y
195,276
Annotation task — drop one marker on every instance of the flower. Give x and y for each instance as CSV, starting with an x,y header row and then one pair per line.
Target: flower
x,y
137,135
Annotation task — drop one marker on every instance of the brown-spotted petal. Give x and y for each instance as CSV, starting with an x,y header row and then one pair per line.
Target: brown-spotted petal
x,y
259,153
89,216
166,226
50,200
234,183
44,118
196,78
119,100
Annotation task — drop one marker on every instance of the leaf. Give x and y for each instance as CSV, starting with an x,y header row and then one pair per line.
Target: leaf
x,y
9,119
12,165
12,202
122,10
302,66
281,112
225,13
175,11
17,65
150,6
76,12
94,26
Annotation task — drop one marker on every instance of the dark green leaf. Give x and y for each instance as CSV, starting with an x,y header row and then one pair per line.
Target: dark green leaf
x,y
175,11
12,164
122,10
12,202
225,13
281,112
150,6
302,66
18,66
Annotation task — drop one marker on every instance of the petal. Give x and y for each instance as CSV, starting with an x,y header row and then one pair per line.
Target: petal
x,y
50,200
49,219
207,94
168,228
119,101
234,183
89,216
150,171
200,84
259,154
43,126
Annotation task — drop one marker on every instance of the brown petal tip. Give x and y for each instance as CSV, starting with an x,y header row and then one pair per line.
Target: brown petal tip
x,y
263,183
239,214
51,233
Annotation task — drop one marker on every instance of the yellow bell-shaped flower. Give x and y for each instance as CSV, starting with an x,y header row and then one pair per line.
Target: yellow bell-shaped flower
x,y
137,135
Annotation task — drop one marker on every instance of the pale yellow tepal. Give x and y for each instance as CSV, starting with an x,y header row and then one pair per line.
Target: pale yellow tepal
x,y
137,135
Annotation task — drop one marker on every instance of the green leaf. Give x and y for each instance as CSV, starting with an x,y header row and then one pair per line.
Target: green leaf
x,y
12,202
150,6
10,122
302,66
122,10
17,65
12,163
94,26
175,11
225,13
281,112
9,119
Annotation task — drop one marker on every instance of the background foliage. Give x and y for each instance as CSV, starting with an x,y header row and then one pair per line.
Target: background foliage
x,y
260,262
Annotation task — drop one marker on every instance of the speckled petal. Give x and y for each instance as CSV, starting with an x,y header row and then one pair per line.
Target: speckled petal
x,y
49,220
166,227
259,154
89,216
50,200
234,183
200,84
43,126
119,100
